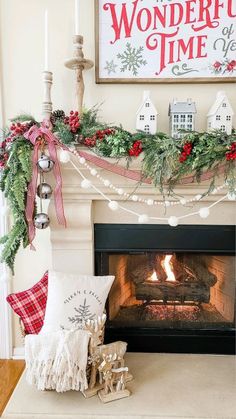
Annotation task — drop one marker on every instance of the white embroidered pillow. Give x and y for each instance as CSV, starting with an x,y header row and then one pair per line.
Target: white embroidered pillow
x,y
74,299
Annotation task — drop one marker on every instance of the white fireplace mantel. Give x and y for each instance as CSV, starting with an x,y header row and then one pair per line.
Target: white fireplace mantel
x,y
73,248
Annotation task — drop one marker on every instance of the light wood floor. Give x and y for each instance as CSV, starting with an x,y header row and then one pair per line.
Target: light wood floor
x,y
10,372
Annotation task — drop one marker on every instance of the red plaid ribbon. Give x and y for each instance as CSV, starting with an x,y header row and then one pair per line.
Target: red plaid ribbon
x,y
34,135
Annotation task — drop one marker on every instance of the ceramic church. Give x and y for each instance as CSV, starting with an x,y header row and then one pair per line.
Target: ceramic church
x,y
182,117
146,117
220,116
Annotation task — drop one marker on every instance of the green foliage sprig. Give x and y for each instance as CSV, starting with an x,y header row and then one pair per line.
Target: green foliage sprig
x,y
14,182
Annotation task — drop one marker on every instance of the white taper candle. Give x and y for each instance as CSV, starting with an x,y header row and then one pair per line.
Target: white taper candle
x,y
46,52
76,17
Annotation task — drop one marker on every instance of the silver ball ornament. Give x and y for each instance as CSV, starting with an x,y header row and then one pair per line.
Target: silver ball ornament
x,y
45,164
41,221
44,191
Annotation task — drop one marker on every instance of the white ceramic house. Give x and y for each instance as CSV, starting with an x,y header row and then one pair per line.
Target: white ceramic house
x,y
220,116
146,117
182,116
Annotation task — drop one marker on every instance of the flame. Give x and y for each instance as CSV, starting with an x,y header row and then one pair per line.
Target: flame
x,y
167,266
154,276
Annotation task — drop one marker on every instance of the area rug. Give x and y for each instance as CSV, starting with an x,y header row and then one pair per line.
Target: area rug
x,y
166,386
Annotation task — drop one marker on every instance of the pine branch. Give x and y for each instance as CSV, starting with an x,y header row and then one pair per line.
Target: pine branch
x,y
63,132
23,118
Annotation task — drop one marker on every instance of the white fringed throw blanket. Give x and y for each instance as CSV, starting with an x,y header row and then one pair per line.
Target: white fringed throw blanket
x,y
57,361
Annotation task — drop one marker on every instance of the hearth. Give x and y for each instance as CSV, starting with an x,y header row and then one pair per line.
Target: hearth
x,y
174,289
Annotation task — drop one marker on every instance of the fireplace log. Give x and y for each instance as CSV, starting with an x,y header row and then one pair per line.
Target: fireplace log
x,y
197,265
171,292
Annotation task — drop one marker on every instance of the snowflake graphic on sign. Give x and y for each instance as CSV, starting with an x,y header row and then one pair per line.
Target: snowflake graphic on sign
x,y
83,314
110,67
132,59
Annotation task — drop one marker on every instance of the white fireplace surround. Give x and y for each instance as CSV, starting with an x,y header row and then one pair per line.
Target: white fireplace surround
x,y
73,248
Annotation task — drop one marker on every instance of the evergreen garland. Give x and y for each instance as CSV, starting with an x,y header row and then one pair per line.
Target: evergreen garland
x,y
165,160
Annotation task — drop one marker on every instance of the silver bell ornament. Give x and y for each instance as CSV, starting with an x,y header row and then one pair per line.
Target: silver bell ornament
x,y
41,221
45,164
44,191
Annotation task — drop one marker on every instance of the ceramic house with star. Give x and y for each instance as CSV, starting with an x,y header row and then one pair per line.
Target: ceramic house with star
x,y
146,117
220,116
182,117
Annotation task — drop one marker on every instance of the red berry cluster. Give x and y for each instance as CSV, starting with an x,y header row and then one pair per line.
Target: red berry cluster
x,y
99,135
136,148
73,121
18,129
186,151
3,155
231,155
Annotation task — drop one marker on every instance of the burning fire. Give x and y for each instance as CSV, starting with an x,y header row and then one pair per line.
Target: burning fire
x,y
168,269
166,264
154,276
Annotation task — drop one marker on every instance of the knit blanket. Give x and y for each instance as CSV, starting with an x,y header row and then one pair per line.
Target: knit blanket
x,y
57,361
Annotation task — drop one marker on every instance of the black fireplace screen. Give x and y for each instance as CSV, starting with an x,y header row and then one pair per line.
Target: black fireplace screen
x,y
172,290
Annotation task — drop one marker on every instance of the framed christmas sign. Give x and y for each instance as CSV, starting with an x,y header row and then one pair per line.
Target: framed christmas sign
x,y
165,41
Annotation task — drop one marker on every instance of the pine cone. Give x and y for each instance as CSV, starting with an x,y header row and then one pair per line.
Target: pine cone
x,y
57,115
30,124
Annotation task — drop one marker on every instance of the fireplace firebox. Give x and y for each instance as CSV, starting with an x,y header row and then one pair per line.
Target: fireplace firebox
x,y
174,289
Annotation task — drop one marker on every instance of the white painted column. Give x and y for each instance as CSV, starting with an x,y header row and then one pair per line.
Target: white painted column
x,y
5,285
5,276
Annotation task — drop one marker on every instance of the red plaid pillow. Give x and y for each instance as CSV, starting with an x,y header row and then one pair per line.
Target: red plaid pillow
x,y
30,305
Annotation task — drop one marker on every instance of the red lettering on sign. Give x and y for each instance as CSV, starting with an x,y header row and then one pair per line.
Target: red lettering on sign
x,y
123,20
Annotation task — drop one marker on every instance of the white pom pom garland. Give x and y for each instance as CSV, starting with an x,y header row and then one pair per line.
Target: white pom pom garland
x,y
204,212
85,184
173,221
64,156
106,183
93,172
143,219
113,205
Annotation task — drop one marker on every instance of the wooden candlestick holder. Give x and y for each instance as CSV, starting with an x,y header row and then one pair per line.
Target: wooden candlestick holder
x,y
79,64
47,101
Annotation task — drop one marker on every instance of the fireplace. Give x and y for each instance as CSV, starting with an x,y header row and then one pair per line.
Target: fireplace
x,y
174,289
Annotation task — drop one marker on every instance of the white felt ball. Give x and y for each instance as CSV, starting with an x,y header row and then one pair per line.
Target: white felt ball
x,y
135,198
231,196
82,160
107,182
93,172
120,191
198,197
85,184
143,218
183,201
167,203
173,221
113,205
204,212
64,156
150,202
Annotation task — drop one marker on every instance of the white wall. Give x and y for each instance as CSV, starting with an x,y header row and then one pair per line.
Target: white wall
x,y
22,63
